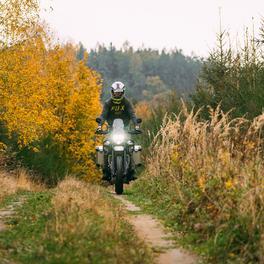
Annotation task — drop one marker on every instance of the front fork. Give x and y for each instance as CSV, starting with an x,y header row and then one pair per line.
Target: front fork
x,y
112,161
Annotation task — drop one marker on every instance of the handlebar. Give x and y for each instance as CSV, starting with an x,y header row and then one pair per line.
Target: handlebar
x,y
105,132
102,132
135,132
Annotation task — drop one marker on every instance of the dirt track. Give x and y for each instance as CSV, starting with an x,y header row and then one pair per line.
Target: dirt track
x,y
8,211
146,226
151,230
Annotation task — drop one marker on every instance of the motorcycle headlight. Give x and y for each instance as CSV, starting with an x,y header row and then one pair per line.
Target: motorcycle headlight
x,y
118,138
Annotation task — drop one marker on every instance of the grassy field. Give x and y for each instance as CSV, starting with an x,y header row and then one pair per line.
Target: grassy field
x,y
72,223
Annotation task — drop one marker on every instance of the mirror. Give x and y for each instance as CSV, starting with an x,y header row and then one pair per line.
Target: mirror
x,y
139,120
98,120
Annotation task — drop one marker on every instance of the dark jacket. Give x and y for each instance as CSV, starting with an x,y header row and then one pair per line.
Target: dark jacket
x,y
123,110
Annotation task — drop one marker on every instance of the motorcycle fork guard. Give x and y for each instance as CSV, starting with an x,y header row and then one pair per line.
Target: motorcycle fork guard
x,y
115,155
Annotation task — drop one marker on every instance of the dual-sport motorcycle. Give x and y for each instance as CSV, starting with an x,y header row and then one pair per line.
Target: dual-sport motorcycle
x,y
119,155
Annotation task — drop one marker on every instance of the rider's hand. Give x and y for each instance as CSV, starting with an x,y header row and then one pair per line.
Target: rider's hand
x,y
99,129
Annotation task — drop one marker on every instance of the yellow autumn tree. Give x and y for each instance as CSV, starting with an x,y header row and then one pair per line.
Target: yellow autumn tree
x,y
45,92
75,93
18,20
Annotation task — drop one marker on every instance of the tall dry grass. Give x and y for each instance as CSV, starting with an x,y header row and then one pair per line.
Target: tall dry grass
x,y
93,227
209,174
18,180
74,197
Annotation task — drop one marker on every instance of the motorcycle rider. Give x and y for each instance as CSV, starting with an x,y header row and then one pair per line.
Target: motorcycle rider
x,y
118,106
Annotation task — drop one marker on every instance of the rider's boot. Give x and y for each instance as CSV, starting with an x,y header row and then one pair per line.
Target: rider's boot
x,y
126,179
132,175
106,175
106,169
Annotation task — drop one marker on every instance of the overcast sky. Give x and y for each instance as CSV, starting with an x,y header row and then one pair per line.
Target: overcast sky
x,y
190,25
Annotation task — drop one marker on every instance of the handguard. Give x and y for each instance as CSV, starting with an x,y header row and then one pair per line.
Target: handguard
x,y
135,132
101,132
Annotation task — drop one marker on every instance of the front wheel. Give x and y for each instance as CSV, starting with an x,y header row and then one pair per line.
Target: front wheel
x,y
119,175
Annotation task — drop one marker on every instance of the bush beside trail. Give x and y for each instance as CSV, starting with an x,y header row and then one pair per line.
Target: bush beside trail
x,y
206,178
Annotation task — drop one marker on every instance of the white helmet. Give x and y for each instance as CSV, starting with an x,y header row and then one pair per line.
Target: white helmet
x,y
117,91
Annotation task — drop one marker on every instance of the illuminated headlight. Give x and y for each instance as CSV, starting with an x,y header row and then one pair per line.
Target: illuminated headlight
x,y
118,138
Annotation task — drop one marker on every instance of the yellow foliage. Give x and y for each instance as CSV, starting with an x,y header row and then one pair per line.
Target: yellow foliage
x,y
175,154
201,183
142,109
44,90
224,156
18,20
229,184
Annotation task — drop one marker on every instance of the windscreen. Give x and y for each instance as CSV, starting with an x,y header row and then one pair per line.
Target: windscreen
x,y
118,124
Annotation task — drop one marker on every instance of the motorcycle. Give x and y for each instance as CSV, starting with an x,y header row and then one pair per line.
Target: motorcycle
x,y
119,155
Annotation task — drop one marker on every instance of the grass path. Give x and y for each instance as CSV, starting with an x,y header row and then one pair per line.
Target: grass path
x,y
80,223
73,223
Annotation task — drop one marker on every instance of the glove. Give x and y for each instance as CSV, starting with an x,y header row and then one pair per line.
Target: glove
x,y
98,129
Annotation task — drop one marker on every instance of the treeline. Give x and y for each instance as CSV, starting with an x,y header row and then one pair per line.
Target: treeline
x,y
146,72
233,77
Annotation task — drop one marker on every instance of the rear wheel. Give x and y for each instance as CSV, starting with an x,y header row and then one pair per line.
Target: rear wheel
x,y
119,175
